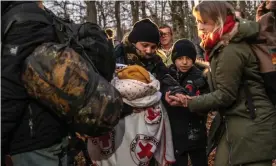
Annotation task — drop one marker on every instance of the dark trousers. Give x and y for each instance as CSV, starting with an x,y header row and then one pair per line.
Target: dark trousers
x,y
52,156
198,158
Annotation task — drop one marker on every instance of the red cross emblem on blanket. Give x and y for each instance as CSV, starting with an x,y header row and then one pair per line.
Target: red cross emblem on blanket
x,y
145,150
105,142
153,115
142,149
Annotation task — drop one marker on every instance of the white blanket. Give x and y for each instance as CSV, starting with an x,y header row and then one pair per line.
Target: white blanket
x,y
140,136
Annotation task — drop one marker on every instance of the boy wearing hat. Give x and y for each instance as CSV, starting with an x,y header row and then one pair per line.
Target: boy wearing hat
x,y
188,129
139,48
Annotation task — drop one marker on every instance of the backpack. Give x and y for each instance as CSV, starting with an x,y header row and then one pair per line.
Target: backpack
x,y
265,50
37,72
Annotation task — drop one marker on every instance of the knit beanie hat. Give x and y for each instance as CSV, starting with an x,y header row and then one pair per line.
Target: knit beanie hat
x,y
134,72
144,31
183,47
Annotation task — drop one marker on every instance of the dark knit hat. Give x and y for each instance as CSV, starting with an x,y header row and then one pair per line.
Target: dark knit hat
x,y
183,47
144,31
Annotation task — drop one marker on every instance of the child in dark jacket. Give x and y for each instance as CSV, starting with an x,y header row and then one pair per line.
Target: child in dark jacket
x,y
188,129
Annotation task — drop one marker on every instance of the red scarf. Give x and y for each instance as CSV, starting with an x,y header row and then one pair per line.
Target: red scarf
x,y
209,42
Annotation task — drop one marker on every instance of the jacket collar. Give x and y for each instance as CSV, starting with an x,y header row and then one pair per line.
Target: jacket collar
x,y
225,39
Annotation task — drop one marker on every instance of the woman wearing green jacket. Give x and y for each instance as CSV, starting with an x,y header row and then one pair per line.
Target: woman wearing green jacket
x,y
237,88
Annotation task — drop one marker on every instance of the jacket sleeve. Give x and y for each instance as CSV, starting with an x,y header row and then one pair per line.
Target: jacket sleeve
x,y
205,88
270,86
161,69
227,75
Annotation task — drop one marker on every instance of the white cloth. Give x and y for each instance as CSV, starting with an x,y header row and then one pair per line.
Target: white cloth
x,y
138,94
140,136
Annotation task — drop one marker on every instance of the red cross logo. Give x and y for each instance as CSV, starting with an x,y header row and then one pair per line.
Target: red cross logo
x,y
189,87
151,114
145,150
142,149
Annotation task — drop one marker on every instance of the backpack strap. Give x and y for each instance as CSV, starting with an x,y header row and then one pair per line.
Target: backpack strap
x,y
23,17
36,17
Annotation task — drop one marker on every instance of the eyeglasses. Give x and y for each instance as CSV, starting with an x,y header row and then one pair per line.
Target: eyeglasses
x,y
162,34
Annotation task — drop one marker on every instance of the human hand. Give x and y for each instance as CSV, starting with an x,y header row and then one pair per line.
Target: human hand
x,y
185,99
172,100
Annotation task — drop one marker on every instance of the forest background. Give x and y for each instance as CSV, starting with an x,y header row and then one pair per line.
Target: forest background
x,y
121,15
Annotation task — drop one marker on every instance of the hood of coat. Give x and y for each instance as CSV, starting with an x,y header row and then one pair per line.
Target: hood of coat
x,y
244,30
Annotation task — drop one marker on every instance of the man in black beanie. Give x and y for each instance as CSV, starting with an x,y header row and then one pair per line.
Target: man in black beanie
x,y
188,129
139,48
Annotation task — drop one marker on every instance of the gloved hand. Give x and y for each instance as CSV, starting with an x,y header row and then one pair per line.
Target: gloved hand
x,y
177,89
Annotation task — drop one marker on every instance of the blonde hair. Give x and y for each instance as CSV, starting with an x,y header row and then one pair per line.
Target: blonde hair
x,y
217,11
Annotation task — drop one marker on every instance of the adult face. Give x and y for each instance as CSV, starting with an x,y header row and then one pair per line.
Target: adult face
x,y
205,27
166,36
146,49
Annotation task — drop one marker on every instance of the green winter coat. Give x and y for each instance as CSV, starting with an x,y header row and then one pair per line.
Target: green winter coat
x,y
231,62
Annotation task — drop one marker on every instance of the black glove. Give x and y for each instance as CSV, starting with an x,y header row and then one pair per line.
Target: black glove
x,y
177,89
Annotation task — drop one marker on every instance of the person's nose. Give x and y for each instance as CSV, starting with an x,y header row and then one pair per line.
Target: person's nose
x,y
148,50
184,61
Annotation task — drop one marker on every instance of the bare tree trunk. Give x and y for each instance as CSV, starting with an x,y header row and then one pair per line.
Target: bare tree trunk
x,y
163,6
143,8
154,14
134,11
81,18
118,20
183,5
155,7
177,15
101,9
66,15
242,6
192,24
91,11
173,13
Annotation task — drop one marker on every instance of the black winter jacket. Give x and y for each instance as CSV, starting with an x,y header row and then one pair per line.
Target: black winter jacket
x,y
188,129
154,65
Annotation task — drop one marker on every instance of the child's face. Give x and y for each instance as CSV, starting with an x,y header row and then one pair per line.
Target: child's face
x,y
183,63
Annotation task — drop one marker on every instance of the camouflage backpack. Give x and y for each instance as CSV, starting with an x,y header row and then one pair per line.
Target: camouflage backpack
x,y
70,76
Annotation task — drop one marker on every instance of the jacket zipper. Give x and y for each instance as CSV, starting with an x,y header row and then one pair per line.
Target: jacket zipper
x,y
31,124
229,144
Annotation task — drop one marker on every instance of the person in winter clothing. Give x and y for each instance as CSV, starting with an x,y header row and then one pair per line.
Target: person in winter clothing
x,y
247,128
30,133
38,111
166,44
189,130
141,135
139,48
266,51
